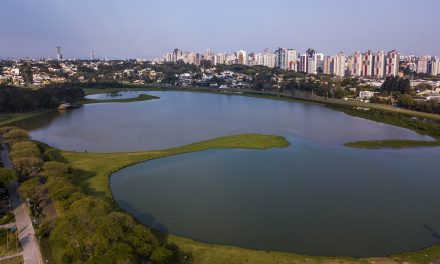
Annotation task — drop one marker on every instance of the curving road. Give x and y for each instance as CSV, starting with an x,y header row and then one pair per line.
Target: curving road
x,y
26,233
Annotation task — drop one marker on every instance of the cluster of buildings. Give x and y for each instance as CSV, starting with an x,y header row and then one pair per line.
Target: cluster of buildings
x,y
42,72
374,65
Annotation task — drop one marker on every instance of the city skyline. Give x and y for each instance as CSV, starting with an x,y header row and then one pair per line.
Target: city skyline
x,y
155,27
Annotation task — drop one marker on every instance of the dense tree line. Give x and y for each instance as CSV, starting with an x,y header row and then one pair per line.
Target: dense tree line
x,y
89,228
395,84
429,106
19,100
85,85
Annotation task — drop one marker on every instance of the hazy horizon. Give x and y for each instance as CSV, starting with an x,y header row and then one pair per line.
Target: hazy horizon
x,y
147,29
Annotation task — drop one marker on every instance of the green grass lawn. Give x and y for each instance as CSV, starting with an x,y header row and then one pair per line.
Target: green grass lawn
x,y
7,218
93,169
8,243
203,253
14,260
141,97
393,143
6,119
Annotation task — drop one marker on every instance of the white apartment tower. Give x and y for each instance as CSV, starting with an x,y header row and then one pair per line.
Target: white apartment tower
x,y
435,66
286,58
220,58
367,64
356,64
379,65
241,57
422,64
269,59
339,64
392,63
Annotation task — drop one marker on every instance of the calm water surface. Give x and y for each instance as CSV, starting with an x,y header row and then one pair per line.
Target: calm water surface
x,y
180,118
308,198
314,197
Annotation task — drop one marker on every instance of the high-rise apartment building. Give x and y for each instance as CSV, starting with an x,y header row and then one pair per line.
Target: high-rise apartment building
x,y
422,64
392,63
356,64
335,65
269,59
303,63
311,62
220,58
328,65
59,54
367,64
286,58
339,64
435,66
242,57
378,65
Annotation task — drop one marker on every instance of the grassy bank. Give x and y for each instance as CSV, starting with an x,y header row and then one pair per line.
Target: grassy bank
x,y
95,168
141,97
203,253
6,119
396,143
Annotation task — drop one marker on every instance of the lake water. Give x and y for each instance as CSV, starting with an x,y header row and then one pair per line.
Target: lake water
x,y
314,197
180,118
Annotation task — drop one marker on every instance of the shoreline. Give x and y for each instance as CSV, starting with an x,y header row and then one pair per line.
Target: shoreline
x,y
187,243
204,251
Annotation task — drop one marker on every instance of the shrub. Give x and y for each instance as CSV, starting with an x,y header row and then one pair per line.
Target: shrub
x,y
55,168
161,255
27,166
27,152
16,134
4,130
31,189
7,176
53,155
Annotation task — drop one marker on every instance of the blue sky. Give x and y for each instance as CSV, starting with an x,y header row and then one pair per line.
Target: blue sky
x,y
148,28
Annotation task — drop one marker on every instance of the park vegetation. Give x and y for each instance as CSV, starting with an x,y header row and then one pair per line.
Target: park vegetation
x,y
22,100
90,229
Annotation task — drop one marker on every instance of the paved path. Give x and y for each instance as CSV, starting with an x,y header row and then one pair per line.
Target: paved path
x,y
26,233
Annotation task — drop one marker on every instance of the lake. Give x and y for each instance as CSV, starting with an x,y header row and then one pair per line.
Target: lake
x,y
180,118
314,197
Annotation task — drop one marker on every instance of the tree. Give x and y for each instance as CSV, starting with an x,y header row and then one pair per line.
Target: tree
x,y
27,167
7,176
161,255
16,134
406,101
56,169
31,189
423,86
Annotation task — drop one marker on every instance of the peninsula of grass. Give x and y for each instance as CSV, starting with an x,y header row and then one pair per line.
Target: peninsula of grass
x,y
7,119
94,169
141,97
393,143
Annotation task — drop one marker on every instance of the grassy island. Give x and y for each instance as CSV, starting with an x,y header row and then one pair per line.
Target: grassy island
x,y
141,97
100,165
393,143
